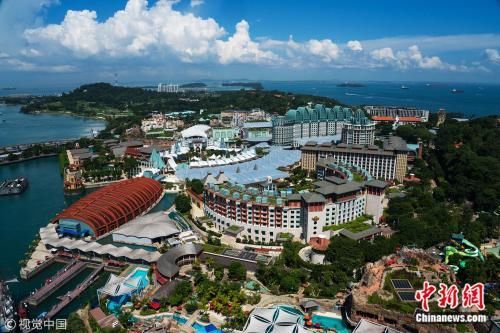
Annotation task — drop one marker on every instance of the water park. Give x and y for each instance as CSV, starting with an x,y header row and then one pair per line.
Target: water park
x,y
386,291
120,290
459,246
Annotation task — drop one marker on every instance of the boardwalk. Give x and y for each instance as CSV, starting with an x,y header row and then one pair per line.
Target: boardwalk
x,y
57,281
69,297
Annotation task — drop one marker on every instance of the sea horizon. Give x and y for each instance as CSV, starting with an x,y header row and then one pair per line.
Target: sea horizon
x,y
473,99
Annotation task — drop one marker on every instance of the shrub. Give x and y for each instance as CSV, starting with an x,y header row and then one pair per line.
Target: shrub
x,y
191,306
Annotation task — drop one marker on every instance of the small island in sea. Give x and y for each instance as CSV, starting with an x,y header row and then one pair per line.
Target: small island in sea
x,y
351,85
193,85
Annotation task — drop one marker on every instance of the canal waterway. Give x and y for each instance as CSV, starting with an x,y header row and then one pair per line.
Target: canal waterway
x,y
21,218
18,128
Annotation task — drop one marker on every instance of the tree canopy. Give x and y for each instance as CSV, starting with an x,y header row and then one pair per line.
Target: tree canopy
x,y
183,203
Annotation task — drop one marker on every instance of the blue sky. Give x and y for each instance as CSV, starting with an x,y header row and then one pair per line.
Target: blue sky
x,y
69,42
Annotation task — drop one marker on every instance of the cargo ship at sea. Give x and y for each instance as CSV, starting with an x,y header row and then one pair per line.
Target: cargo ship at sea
x,y
7,309
13,186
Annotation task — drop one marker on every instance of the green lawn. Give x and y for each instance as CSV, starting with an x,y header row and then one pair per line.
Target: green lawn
x,y
354,226
233,228
214,248
357,177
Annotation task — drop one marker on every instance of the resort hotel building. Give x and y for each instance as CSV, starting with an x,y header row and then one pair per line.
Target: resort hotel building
x,y
308,121
262,213
390,113
387,163
168,88
359,130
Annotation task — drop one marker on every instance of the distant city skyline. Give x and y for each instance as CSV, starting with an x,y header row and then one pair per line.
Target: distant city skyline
x,y
61,42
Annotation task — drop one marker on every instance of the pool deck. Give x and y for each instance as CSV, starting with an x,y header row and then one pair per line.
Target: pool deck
x,y
328,314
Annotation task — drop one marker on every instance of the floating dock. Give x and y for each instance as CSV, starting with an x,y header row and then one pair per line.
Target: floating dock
x,y
57,281
70,296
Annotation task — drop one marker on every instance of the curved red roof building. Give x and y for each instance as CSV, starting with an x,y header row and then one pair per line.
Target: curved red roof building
x,y
109,207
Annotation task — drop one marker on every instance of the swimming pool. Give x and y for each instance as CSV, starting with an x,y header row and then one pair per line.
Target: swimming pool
x,y
135,282
331,323
178,318
139,273
210,328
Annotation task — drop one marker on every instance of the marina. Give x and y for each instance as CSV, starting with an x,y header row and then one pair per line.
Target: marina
x,y
56,282
7,309
44,178
70,296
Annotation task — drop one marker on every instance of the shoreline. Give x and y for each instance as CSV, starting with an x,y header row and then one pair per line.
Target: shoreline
x,y
28,159
56,113
62,113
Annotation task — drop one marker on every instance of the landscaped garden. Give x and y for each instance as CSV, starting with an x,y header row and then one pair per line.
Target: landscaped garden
x,y
357,225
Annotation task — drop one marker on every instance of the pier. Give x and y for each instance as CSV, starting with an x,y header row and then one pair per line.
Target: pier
x,y
70,296
57,281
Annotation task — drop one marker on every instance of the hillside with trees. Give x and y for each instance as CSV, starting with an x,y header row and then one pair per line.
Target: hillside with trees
x,y
458,192
107,100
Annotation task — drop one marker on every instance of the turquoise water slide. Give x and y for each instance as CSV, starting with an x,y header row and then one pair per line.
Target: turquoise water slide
x,y
450,250
473,249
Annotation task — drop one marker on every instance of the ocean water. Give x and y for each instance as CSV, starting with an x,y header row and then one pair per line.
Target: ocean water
x,y
476,99
23,215
17,127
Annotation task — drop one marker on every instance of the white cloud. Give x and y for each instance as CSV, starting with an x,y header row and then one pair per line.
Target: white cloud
x,y
354,45
325,49
144,35
493,55
413,58
195,3
135,30
240,48
16,16
444,43
30,52
20,65
385,54
311,53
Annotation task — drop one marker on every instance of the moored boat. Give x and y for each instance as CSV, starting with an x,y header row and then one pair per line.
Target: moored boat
x,y
13,186
7,309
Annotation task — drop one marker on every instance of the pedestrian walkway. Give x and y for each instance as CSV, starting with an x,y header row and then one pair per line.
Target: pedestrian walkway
x,y
57,281
68,298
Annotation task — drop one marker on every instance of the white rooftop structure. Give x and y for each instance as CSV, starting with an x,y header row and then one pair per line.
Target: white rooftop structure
x,y
245,172
365,326
196,131
215,161
146,229
49,236
117,286
274,320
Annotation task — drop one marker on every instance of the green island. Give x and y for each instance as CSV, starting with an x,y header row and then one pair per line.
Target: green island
x,y
124,107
